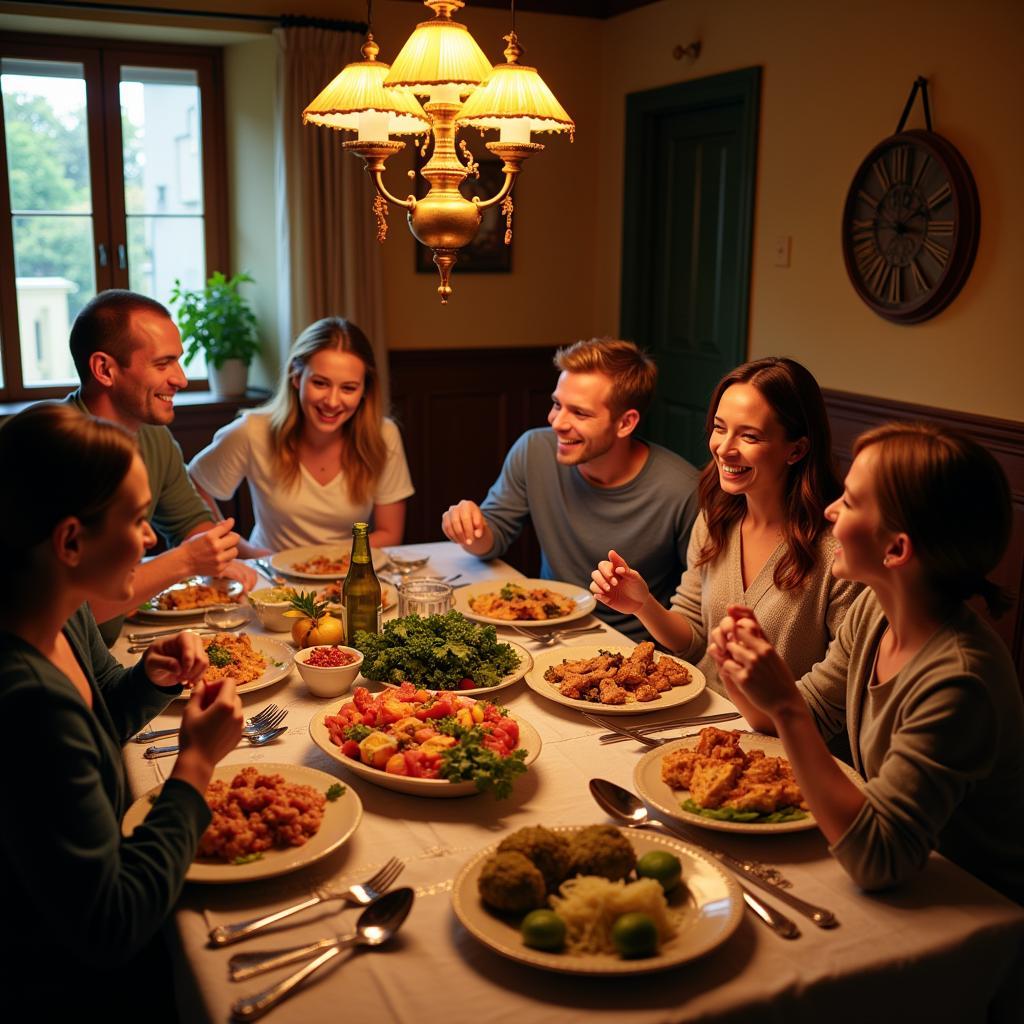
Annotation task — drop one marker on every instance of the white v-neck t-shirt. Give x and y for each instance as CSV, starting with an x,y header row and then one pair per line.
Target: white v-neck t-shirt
x,y
307,512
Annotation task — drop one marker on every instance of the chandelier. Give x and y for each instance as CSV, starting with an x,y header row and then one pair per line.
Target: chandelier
x,y
442,63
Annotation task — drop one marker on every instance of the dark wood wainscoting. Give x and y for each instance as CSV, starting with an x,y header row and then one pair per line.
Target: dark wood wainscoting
x,y
852,414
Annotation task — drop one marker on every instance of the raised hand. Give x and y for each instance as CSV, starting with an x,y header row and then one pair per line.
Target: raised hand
x,y
245,574
212,723
618,586
210,551
748,662
171,660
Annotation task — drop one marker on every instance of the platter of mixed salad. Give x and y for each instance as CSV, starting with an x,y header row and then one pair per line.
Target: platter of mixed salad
x,y
442,652
426,743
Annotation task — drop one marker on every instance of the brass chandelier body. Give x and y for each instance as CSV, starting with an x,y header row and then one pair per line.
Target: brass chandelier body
x,y
442,63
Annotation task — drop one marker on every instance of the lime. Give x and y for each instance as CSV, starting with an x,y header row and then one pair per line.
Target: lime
x,y
635,935
543,929
662,866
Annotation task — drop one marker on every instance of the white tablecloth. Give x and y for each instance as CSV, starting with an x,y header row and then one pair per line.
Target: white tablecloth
x,y
944,948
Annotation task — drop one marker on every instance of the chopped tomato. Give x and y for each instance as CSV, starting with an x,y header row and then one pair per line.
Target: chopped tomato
x,y
350,749
467,684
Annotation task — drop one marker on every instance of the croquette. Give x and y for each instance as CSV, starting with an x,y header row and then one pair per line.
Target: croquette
x,y
601,850
546,850
508,881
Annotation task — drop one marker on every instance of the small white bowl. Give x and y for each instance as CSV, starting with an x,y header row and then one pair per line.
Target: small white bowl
x,y
271,613
328,682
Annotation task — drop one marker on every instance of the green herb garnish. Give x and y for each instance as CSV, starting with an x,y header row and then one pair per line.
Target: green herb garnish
x,y
248,858
358,732
335,791
470,761
749,817
219,656
436,652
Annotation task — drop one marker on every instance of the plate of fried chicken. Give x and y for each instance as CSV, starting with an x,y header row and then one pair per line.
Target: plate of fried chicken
x,y
615,680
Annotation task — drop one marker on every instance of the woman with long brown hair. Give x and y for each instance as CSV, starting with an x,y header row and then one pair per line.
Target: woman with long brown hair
x,y
73,527
761,538
320,455
923,688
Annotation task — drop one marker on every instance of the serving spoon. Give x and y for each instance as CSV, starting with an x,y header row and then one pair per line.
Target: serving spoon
x,y
375,925
624,806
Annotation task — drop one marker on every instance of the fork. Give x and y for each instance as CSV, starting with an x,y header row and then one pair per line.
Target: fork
x,y
633,734
357,895
550,636
268,718
255,739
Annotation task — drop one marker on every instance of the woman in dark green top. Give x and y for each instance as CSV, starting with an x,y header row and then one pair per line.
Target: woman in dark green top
x,y
81,900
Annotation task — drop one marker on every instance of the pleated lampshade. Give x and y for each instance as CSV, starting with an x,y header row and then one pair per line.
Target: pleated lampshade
x,y
515,91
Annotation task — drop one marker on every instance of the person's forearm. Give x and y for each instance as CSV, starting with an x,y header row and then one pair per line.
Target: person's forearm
x,y
833,799
151,577
667,627
191,767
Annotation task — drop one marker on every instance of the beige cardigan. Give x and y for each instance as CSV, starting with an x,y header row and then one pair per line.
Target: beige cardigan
x,y
800,623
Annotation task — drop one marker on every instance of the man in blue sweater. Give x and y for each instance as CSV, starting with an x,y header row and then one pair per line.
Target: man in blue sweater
x,y
588,483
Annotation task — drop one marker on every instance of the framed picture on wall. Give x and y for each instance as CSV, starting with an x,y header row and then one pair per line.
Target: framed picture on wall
x,y
487,253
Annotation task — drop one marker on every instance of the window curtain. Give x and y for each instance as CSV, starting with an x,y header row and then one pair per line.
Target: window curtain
x,y
330,261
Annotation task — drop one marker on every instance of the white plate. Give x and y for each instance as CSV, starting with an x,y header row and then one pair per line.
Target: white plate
x,y
284,560
712,913
525,664
647,779
233,587
583,599
273,651
388,598
341,818
669,699
529,739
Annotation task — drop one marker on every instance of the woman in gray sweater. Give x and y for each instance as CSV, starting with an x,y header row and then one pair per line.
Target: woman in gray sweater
x,y
924,688
761,539
81,899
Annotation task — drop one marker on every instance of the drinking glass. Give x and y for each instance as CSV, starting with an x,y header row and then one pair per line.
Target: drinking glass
x,y
424,597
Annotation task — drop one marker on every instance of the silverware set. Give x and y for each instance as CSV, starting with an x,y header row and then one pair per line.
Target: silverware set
x,y
552,636
642,733
385,911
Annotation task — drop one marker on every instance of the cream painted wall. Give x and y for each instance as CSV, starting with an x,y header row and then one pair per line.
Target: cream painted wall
x,y
836,76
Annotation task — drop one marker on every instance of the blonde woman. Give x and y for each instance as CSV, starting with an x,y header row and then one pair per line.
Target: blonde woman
x,y
320,455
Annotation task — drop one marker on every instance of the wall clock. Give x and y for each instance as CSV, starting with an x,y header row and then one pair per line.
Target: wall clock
x,y
911,223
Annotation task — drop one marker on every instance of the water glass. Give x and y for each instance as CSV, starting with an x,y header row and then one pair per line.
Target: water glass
x,y
424,597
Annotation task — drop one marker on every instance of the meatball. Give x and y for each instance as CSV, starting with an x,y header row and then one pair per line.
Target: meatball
x,y
602,850
548,851
508,881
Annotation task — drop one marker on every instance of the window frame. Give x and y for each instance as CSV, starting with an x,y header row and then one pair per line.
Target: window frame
x,y
101,61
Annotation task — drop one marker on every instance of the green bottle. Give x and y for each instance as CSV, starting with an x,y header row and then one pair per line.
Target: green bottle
x,y
361,591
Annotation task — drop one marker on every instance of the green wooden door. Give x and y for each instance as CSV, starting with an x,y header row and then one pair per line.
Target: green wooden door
x,y
688,215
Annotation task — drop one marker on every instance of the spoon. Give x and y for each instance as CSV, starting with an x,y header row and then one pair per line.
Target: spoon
x,y
375,925
628,808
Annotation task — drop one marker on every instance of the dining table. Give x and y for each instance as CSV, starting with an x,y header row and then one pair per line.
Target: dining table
x,y
943,947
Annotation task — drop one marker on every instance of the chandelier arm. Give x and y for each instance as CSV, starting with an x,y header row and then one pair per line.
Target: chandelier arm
x,y
378,179
510,180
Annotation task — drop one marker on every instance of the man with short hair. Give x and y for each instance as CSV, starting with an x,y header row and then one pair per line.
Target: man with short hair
x,y
588,483
127,352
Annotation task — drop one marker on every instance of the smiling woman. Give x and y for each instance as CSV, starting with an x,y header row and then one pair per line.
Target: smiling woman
x,y
320,455
761,538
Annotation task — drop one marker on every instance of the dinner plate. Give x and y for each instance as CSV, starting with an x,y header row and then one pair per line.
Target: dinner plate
x,y
341,818
234,589
280,658
647,779
583,599
668,699
525,664
284,560
388,598
712,912
529,739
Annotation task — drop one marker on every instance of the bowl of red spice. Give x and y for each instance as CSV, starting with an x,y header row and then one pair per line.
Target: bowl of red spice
x,y
328,669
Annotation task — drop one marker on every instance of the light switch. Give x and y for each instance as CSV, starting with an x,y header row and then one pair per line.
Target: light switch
x,y
782,250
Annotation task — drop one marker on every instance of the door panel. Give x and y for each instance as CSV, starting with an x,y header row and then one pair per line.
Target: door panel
x,y
687,236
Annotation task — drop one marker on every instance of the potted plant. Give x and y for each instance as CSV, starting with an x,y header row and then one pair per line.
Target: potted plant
x,y
218,321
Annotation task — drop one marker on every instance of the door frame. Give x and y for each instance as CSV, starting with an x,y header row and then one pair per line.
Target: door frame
x,y
643,110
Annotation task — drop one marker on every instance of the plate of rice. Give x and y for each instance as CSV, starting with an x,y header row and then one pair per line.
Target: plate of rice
x,y
709,911
253,661
191,597
317,812
320,561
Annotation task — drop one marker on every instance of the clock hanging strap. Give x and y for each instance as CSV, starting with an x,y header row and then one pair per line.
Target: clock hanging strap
x,y
919,83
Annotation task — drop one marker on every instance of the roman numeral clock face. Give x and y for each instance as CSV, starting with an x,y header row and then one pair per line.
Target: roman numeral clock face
x,y
911,226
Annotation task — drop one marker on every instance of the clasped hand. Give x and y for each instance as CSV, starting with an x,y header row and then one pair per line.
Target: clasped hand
x,y
748,662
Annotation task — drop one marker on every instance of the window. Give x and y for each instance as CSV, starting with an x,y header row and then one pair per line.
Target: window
x,y
111,176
